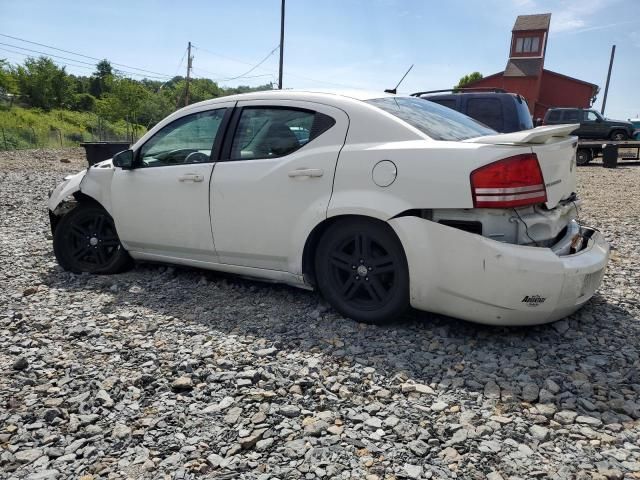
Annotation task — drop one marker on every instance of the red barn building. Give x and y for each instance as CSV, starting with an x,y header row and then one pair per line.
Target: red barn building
x,y
525,73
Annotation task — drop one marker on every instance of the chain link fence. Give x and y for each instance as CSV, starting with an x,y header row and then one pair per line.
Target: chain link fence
x,y
30,137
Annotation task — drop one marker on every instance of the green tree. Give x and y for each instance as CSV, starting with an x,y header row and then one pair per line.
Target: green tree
x,y
8,82
102,79
44,84
467,79
83,102
124,101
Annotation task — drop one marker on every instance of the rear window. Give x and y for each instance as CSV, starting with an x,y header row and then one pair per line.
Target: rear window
x,y
554,116
487,111
438,122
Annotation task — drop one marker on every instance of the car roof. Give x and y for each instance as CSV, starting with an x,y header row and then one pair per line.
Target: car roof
x,y
331,96
429,95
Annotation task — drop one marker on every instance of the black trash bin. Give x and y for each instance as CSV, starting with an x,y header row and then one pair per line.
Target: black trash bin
x,y
99,151
609,156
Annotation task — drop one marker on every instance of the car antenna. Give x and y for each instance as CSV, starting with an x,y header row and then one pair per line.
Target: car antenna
x,y
395,90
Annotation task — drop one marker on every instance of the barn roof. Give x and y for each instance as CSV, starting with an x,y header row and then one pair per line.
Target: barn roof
x,y
523,67
532,22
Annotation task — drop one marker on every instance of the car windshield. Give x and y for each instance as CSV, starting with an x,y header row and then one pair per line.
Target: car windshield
x,y
438,122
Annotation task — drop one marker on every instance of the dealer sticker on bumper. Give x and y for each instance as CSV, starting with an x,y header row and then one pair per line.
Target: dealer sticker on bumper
x,y
533,300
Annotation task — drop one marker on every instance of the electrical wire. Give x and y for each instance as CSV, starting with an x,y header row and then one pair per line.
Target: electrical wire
x,y
80,54
181,60
74,60
159,75
254,67
334,84
54,61
526,227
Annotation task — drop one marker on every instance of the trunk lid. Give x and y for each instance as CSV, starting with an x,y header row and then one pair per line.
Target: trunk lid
x,y
556,151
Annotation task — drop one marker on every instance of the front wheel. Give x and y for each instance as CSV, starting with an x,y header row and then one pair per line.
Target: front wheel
x,y
86,240
362,271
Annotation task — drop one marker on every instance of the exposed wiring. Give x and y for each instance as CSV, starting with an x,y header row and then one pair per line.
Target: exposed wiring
x,y
526,228
575,205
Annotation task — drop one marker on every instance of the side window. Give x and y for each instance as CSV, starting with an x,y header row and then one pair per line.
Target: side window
x,y
487,111
450,103
590,116
187,140
271,132
554,116
571,116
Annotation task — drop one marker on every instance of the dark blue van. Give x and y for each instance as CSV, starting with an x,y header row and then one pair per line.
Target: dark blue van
x,y
502,111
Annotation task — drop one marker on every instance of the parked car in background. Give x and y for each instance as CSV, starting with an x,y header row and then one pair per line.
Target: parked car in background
x,y
504,112
592,124
390,202
636,125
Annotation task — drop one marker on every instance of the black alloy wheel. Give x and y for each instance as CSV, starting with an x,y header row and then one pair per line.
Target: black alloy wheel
x,y
362,271
86,240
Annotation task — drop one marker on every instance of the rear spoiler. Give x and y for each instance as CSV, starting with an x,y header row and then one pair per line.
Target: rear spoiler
x,y
535,135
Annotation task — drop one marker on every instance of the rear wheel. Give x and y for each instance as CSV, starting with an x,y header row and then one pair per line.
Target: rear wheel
x,y
362,271
584,156
85,240
619,135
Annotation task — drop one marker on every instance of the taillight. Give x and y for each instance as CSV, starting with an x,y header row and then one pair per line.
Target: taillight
x,y
512,182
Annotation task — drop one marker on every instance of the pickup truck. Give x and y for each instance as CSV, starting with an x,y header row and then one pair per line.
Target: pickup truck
x,y
592,124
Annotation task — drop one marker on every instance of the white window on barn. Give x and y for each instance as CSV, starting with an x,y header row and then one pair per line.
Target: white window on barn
x,y
527,44
535,44
519,45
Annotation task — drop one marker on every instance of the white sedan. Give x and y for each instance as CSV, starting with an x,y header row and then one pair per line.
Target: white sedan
x,y
379,201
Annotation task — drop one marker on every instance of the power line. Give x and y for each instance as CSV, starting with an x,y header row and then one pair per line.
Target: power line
x,y
271,71
54,61
44,53
254,67
221,56
67,63
180,64
81,55
70,59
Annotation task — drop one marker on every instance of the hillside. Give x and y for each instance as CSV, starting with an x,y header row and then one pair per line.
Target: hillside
x,y
31,127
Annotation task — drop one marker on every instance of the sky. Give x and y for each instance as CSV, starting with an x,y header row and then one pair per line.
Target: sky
x,y
365,44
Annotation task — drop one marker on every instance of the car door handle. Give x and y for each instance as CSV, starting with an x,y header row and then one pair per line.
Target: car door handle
x,y
306,172
191,177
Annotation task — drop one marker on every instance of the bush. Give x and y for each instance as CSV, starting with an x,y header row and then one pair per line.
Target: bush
x,y
83,102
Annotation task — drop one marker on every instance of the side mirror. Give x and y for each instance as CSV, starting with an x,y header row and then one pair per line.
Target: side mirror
x,y
123,159
599,120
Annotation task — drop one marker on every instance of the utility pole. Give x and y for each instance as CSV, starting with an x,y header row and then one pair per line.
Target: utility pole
x,y
189,58
281,44
606,88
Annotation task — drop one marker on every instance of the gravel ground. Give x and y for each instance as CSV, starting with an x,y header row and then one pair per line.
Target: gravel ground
x,y
168,372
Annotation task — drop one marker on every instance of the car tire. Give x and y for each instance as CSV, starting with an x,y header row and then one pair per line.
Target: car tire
x,y
583,156
619,135
362,271
85,240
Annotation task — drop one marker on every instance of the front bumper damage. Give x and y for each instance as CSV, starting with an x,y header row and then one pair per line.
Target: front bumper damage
x,y
468,276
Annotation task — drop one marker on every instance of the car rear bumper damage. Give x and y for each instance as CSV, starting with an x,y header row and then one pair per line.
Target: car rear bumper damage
x,y
468,276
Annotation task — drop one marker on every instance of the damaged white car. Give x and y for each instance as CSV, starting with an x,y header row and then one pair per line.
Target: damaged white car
x,y
381,202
